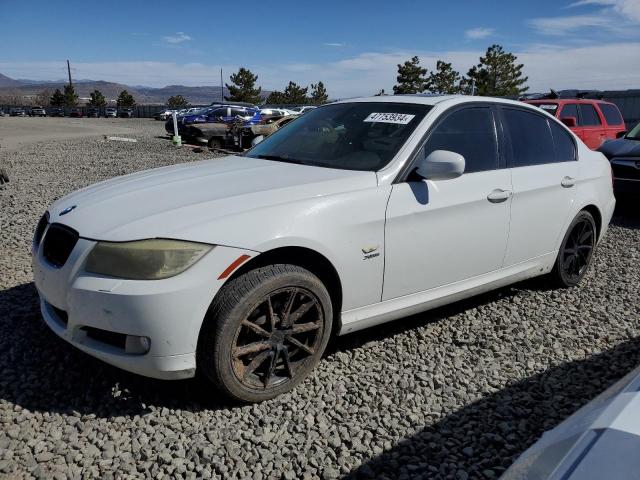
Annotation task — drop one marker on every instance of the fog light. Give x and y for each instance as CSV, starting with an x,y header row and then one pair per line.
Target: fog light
x,y
137,345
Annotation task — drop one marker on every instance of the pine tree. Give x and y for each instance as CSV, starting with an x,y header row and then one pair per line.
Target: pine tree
x,y
444,80
276,98
243,88
319,93
295,94
125,99
497,74
70,96
57,99
177,101
411,77
97,99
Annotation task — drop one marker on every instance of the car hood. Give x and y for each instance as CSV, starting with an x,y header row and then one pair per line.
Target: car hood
x,y
622,147
166,201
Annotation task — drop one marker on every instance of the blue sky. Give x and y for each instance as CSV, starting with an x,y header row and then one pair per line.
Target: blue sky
x,y
353,48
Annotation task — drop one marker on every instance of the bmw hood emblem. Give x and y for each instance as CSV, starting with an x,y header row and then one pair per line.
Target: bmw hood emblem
x,y
67,210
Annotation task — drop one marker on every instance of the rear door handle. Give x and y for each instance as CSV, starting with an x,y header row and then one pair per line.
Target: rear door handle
x,y
498,195
568,182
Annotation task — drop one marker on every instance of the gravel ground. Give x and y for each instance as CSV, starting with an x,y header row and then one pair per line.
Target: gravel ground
x,y
454,393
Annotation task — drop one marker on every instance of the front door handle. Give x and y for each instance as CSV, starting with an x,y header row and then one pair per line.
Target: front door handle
x,y
568,182
498,195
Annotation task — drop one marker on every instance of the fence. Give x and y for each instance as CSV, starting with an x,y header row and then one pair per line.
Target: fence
x,y
139,111
628,101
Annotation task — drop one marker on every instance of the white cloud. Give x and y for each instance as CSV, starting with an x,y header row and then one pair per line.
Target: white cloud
x,y
629,9
565,25
179,37
617,17
479,33
582,3
334,44
612,66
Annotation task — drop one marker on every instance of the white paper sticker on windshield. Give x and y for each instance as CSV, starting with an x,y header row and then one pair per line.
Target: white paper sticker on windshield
x,y
399,118
550,106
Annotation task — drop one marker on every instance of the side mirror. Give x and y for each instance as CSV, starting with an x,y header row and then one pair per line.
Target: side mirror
x,y
569,121
441,165
621,134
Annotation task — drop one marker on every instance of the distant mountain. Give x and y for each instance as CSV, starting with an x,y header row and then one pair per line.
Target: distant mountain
x,y
8,82
144,95
195,95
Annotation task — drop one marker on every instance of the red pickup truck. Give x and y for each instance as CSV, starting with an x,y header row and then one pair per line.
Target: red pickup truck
x,y
594,121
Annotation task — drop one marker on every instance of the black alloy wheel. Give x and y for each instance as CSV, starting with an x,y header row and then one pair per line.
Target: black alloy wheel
x,y
576,251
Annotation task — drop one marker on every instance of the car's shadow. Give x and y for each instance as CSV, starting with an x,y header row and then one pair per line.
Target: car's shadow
x,y
483,439
627,213
41,372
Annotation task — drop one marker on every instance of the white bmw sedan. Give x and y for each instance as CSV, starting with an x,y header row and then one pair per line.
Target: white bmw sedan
x,y
357,213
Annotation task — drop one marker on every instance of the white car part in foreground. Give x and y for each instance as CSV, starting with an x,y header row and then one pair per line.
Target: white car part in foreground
x,y
601,440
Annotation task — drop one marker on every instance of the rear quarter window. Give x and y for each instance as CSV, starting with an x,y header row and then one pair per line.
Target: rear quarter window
x,y
565,147
611,114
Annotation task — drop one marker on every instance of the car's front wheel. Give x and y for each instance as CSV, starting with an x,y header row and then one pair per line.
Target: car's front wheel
x,y
265,331
576,251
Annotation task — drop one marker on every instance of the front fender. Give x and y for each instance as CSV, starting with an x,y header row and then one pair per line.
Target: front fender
x,y
337,227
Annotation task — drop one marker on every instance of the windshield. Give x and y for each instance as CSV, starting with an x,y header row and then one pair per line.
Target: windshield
x,y
634,134
348,136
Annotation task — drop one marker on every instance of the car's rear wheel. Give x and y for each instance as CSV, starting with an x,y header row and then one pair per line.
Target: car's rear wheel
x,y
266,330
214,143
576,251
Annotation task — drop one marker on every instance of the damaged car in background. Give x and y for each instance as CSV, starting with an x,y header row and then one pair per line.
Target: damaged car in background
x,y
235,136
213,125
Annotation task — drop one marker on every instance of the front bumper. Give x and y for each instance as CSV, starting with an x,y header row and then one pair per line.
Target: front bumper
x,y
76,304
626,186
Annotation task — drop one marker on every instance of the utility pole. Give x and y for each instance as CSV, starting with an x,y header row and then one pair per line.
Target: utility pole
x,y
221,88
69,72
473,86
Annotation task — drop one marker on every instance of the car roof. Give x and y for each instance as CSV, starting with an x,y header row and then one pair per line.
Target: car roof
x,y
567,100
432,100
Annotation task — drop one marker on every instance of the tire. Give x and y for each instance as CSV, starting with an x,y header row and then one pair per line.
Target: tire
x,y
248,356
214,143
576,251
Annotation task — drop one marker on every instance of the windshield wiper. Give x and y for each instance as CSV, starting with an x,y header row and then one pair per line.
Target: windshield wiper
x,y
281,158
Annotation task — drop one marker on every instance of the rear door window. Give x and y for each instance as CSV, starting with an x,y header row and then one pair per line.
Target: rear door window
x,y
530,138
611,114
588,115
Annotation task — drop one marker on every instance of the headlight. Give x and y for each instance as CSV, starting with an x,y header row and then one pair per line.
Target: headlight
x,y
144,259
